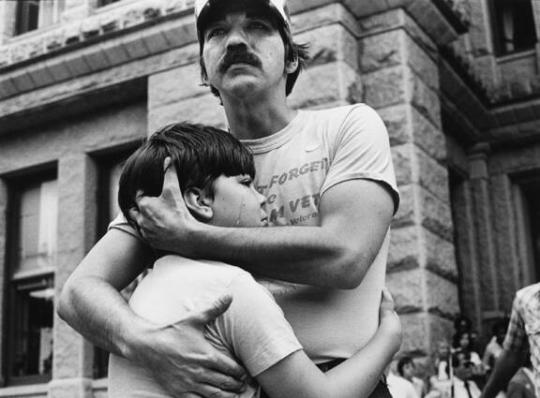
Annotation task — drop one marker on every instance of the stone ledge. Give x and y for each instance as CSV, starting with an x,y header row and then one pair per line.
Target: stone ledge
x,y
32,390
98,26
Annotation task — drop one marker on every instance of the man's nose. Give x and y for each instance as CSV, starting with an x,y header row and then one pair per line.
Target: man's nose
x,y
236,38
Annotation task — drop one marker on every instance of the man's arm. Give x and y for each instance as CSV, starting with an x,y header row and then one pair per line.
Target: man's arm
x,y
506,366
178,354
354,218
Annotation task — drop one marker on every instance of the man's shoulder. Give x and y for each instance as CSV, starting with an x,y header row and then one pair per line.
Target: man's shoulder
x,y
359,110
528,292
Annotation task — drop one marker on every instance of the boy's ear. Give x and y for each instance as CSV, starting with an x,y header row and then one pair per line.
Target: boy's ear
x,y
291,66
199,203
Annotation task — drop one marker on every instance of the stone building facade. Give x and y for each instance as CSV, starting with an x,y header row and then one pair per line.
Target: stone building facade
x,y
83,81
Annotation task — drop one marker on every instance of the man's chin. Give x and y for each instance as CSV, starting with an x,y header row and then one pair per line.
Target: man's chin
x,y
241,86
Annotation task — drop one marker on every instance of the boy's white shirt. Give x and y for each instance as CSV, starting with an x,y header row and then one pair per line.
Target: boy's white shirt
x,y
253,330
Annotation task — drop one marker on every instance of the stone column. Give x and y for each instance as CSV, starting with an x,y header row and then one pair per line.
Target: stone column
x,y
400,79
3,265
484,235
73,355
508,264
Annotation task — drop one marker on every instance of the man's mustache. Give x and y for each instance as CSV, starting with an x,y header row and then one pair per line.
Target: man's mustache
x,y
237,56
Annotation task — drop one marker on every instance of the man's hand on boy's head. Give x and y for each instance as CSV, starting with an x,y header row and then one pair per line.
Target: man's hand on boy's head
x,y
164,221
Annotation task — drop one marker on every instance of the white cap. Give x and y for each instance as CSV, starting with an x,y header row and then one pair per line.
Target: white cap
x,y
202,6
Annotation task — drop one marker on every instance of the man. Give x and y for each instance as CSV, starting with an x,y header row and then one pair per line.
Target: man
x,y
407,370
329,172
523,333
216,173
463,385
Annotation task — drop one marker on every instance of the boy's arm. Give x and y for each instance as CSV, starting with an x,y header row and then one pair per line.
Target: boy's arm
x,y
179,355
297,376
355,216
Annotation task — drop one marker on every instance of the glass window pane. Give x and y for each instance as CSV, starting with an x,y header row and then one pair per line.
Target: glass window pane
x,y
32,333
37,227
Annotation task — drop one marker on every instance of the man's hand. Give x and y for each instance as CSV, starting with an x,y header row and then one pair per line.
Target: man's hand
x,y
183,361
164,221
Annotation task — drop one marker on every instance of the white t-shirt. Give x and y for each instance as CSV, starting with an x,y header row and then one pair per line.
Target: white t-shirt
x,y
253,330
400,387
295,167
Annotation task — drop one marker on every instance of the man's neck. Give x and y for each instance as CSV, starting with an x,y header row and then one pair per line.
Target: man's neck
x,y
251,118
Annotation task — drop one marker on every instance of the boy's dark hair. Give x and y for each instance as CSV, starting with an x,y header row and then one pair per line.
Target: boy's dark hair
x,y
405,360
293,51
200,154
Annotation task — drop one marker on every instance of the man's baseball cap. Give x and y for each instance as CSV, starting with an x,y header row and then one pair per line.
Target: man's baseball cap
x,y
202,8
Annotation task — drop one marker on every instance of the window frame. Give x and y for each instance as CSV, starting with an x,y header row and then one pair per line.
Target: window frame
x,y
13,281
497,31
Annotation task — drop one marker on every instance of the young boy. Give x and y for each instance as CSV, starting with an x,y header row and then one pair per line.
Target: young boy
x,y
215,173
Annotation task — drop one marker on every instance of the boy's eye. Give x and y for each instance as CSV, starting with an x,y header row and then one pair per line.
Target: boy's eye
x,y
247,181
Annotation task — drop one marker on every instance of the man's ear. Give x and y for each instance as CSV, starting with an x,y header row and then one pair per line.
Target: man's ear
x,y
199,203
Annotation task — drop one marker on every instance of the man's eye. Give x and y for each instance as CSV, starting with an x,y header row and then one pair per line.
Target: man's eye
x,y
215,32
258,25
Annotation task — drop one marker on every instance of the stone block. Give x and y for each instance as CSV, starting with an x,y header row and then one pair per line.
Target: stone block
x,y
316,17
420,61
157,42
7,88
77,65
22,81
40,75
427,136
71,388
439,255
73,355
435,214
5,57
382,51
419,35
398,123
432,175
96,59
421,332
181,35
404,164
330,43
385,87
175,85
115,52
58,69
408,289
135,47
380,22
407,206
405,249
323,84
441,295
202,109
425,99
